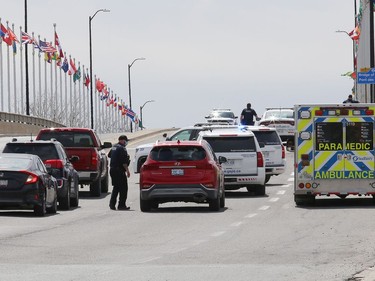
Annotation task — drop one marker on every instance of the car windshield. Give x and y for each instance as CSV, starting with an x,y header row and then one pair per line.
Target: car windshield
x,y
279,114
232,144
173,153
45,151
224,114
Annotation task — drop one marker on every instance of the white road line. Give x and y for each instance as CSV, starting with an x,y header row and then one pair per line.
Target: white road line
x,y
263,208
274,199
281,192
237,223
291,179
249,216
216,234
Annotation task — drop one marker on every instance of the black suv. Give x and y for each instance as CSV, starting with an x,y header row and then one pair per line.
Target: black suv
x,y
56,160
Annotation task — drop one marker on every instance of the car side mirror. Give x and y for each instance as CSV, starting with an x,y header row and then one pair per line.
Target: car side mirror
x,y
222,159
74,158
106,144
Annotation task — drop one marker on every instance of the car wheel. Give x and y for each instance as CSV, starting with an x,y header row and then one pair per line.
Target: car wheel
x,y
104,183
260,190
304,200
214,204
64,202
40,210
53,208
95,188
145,205
222,200
74,201
267,178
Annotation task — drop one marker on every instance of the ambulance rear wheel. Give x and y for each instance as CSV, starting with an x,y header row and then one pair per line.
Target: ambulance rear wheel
x,y
304,200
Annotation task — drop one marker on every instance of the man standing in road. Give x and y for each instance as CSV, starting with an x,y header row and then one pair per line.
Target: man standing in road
x,y
350,100
119,171
247,116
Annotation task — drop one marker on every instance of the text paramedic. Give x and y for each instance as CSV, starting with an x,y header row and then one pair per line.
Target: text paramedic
x,y
348,146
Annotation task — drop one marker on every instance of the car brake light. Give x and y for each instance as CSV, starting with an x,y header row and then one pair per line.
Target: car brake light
x,y
54,163
260,162
283,152
94,161
32,178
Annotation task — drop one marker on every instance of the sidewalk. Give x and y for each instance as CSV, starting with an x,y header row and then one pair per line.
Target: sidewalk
x,y
113,137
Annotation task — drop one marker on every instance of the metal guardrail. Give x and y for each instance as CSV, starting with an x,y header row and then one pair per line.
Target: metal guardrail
x,y
12,123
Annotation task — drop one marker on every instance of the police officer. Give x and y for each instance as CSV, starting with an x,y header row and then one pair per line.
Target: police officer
x,y
119,171
350,100
247,115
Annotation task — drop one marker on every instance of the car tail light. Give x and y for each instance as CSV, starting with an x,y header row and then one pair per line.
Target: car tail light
x,y
55,164
94,160
283,152
260,162
32,178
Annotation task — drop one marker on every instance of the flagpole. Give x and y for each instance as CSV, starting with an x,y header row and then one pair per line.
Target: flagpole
x,y
1,73
39,100
8,65
26,67
14,77
27,98
83,106
21,71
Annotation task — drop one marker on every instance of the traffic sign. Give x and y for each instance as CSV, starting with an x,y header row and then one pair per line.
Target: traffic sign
x,y
367,77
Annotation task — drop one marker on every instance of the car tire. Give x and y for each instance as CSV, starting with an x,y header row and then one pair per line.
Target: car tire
x,y
260,190
40,210
267,178
64,202
74,201
53,208
95,188
304,200
222,200
214,204
104,183
145,205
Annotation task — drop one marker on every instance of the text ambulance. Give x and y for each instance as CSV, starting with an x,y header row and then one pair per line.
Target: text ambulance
x,y
334,151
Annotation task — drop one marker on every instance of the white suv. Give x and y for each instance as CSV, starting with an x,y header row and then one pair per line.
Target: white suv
x,y
283,120
222,116
245,166
272,148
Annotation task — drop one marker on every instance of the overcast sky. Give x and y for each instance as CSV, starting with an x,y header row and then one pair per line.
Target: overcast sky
x,y
204,54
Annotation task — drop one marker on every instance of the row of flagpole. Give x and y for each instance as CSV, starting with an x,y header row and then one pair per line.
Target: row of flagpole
x,y
59,90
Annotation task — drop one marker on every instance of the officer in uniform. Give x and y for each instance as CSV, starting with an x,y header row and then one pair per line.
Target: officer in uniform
x,y
247,115
119,171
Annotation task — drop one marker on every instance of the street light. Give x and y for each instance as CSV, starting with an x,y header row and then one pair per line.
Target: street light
x,y
354,68
91,92
140,110
130,92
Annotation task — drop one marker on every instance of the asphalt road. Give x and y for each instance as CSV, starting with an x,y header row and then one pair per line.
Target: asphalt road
x,y
254,238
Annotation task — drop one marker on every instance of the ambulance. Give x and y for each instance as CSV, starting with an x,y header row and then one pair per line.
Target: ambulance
x,y
334,151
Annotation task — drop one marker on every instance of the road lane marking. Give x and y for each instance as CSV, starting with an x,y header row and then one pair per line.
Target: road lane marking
x,y
236,224
291,179
249,216
263,208
274,199
281,192
216,234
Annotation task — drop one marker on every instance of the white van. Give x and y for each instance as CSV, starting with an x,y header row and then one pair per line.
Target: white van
x,y
245,166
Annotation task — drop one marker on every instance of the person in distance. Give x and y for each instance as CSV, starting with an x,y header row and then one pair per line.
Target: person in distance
x,y
247,115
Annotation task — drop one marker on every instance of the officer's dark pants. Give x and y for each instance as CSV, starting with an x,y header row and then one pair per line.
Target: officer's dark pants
x,y
120,186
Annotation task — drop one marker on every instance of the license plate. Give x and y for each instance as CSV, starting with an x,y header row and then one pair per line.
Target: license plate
x,y
3,182
177,172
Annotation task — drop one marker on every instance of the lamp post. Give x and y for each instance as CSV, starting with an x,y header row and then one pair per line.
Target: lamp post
x,y
354,68
130,92
140,110
91,92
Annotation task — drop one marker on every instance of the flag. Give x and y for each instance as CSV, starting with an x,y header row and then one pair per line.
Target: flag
x,y
99,85
131,114
65,65
5,35
26,38
87,80
72,68
355,33
47,57
58,46
46,47
77,75
12,36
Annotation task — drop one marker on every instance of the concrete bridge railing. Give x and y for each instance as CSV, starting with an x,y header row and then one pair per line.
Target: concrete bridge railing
x,y
18,124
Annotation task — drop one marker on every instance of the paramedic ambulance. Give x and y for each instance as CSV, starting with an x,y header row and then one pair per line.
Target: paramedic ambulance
x,y
334,152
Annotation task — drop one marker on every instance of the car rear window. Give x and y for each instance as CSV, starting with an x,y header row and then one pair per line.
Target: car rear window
x,y
174,153
279,114
267,137
45,151
232,144
69,139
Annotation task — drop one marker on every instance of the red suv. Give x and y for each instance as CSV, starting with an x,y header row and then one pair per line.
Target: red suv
x,y
186,171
